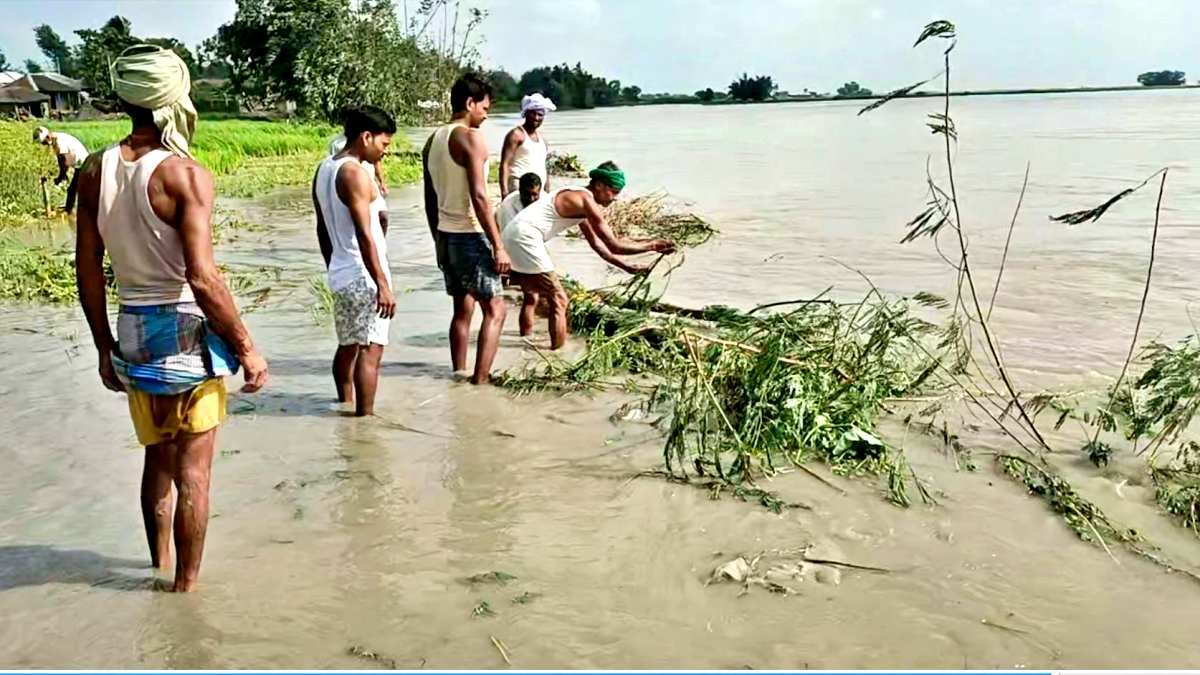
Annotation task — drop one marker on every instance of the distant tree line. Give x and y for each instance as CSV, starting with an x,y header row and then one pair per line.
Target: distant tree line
x,y
567,86
1162,78
318,55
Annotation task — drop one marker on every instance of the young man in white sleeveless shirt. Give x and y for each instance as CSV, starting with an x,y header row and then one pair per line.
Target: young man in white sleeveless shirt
x,y
469,250
148,204
555,213
351,233
525,149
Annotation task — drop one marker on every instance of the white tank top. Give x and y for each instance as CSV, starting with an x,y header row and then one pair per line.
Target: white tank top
x,y
529,157
455,211
147,253
346,264
526,236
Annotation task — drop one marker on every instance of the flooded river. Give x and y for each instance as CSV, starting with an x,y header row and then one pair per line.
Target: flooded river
x,y
331,533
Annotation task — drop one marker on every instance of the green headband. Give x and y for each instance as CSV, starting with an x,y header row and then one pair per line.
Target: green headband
x,y
614,178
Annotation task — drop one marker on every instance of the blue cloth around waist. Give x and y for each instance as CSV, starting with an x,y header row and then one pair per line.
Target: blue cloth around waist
x,y
169,349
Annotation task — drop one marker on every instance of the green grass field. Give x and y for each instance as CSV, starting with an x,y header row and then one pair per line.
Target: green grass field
x,y
248,158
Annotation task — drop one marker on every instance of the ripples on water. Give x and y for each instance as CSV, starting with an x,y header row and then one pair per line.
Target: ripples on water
x,y
331,532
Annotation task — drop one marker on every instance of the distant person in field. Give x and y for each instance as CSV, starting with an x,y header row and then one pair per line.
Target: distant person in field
x,y
525,149
555,213
148,204
71,154
470,252
529,190
350,229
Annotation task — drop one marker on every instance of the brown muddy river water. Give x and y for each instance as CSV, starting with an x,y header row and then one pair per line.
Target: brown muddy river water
x,y
330,532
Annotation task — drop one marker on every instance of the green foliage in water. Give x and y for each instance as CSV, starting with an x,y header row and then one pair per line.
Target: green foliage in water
x,y
321,309
36,273
740,393
564,164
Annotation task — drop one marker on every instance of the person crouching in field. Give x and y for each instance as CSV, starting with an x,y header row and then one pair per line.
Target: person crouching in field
x,y
349,204
556,212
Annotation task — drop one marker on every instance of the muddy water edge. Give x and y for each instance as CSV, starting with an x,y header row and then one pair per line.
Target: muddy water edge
x,y
338,542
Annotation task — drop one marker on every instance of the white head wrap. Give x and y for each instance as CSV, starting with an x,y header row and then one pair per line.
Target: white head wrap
x,y
154,78
40,134
537,102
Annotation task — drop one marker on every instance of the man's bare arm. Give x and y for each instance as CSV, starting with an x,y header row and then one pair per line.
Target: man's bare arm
x,y
190,186
619,245
89,270
64,162
512,140
355,189
431,198
597,243
476,156
322,233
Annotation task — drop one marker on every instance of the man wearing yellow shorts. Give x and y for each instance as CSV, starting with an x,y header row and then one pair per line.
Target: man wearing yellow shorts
x,y
149,205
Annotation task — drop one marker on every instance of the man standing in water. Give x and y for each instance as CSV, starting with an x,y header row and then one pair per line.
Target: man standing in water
x,y
71,155
149,205
525,148
349,228
554,214
469,249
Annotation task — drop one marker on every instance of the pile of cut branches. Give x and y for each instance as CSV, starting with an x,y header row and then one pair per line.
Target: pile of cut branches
x,y
740,394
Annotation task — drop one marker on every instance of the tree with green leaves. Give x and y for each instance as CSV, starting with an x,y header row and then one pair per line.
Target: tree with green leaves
x,y
853,89
4,65
747,88
706,94
323,55
1162,78
56,50
98,50
504,84
32,66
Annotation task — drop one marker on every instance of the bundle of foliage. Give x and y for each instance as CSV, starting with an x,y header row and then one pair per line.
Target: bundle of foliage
x,y
741,393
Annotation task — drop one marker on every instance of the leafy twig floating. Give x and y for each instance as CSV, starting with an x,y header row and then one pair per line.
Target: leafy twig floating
x,y
1093,214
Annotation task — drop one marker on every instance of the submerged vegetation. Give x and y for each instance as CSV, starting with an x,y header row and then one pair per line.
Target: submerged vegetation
x,y
739,394
35,273
563,164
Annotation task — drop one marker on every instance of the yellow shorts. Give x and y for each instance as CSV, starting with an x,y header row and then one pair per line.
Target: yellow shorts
x,y
157,419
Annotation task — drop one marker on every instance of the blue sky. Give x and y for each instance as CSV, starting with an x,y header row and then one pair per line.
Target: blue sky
x,y
684,45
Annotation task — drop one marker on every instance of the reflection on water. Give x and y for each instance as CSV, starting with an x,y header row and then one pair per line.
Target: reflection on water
x,y
330,532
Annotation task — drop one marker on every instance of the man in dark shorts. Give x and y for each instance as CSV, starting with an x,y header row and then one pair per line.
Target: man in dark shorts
x,y
470,252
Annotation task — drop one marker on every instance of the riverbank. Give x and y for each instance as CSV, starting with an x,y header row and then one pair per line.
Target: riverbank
x,y
247,157
687,99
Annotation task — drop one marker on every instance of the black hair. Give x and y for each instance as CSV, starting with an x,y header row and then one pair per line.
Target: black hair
x,y
471,86
530,181
367,118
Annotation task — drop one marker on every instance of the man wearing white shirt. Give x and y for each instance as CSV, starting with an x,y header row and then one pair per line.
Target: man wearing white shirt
x,y
70,152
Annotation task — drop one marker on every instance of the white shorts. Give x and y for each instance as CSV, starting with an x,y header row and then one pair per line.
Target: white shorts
x,y
356,315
